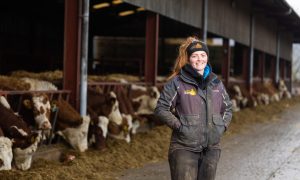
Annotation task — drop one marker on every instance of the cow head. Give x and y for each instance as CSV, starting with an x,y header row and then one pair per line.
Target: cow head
x,y
5,153
77,136
282,86
23,157
144,99
235,107
115,114
40,105
4,102
99,132
104,104
121,130
154,95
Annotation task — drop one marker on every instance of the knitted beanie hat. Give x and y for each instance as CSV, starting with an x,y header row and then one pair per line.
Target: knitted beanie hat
x,y
196,46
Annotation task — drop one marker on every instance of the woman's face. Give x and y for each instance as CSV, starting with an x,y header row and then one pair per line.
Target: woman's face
x,y
198,60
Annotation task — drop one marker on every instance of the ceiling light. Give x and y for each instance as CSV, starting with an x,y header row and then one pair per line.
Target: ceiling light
x,y
126,13
101,5
140,9
115,2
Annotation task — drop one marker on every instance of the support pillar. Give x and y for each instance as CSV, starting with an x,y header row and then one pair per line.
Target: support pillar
x,y
204,20
71,77
289,75
261,66
251,55
273,70
151,51
246,65
282,69
226,61
277,59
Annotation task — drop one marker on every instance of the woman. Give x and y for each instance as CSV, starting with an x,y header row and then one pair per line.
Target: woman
x,y
196,106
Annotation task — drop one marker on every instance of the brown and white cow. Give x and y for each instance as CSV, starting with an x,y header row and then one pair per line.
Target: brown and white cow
x,y
126,108
144,99
6,154
24,141
40,102
97,130
35,110
77,136
283,90
71,126
38,85
121,129
107,105
104,104
23,157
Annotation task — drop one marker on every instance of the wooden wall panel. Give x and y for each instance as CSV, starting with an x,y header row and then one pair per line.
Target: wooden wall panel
x,y
231,20
187,11
286,46
226,18
265,34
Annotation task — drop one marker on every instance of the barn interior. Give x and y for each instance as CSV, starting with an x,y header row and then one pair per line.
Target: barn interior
x,y
32,38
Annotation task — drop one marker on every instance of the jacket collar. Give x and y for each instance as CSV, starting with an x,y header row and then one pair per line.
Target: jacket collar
x,y
210,77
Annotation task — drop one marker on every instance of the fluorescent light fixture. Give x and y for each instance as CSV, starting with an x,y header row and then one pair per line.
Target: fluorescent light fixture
x,y
115,2
140,9
126,13
101,5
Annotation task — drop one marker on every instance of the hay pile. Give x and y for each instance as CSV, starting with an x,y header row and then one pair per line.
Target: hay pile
x,y
145,147
56,75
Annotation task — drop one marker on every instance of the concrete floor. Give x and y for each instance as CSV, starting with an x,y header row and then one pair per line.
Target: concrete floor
x,y
264,152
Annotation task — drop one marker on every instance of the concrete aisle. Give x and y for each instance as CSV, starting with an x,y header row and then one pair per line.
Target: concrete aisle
x,y
264,152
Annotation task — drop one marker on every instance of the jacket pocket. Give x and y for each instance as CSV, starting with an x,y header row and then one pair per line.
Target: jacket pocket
x,y
216,130
219,123
191,133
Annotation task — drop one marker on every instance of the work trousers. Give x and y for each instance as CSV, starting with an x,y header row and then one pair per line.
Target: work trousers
x,y
188,165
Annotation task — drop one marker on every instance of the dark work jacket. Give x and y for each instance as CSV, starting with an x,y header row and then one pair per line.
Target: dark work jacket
x,y
198,116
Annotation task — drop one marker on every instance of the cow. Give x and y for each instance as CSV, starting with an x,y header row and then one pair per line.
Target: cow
x,y
39,103
23,157
104,104
121,129
235,106
97,130
77,136
283,91
24,140
126,108
71,126
38,85
262,98
4,102
107,105
35,109
6,154
144,99
237,95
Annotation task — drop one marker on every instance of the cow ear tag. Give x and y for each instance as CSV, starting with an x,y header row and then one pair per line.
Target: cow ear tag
x,y
27,104
32,139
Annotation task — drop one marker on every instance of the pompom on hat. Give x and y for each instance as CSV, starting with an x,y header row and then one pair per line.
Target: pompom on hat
x,y
196,46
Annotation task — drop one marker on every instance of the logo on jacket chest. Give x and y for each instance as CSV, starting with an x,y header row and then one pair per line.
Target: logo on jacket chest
x,y
191,92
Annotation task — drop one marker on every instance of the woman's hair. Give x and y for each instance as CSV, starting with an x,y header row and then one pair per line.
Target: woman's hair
x,y
182,57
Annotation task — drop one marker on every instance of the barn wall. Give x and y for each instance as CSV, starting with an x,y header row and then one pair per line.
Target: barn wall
x,y
286,46
265,35
187,11
230,20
